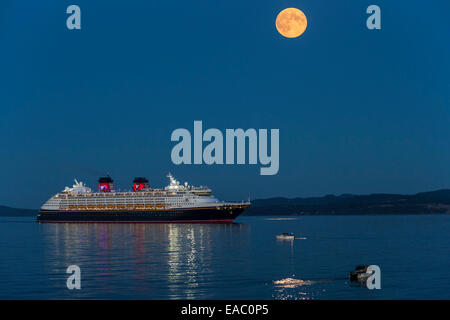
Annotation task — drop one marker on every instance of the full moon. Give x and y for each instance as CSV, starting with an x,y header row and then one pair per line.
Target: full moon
x,y
291,22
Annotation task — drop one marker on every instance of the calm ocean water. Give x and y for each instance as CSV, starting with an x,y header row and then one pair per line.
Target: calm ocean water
x,y
218,261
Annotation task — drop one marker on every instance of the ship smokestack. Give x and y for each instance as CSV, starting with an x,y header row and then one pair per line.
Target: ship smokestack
x,y
105,184
140,183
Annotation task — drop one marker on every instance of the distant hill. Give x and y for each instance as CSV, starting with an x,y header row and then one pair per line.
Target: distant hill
x,y
14,212
349,204
345,204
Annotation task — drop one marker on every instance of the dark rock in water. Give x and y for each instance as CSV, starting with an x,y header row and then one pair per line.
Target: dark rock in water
x,y
359,274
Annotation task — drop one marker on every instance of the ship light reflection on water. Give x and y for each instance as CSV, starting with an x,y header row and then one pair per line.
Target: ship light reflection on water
x,y
225,261
173,261
184,259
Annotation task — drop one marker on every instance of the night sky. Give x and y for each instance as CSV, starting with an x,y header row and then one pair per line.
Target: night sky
x,y
359,111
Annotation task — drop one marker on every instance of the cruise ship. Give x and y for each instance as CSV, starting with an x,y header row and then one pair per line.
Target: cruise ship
x,y
175,203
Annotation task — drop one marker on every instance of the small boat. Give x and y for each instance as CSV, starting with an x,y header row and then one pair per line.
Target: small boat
x,y
359,274
286,236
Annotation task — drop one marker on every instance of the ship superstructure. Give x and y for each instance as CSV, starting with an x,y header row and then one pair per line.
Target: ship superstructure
x,y
175,203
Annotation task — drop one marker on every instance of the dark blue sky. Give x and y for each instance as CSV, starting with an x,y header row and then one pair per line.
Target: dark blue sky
x,y
359,111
